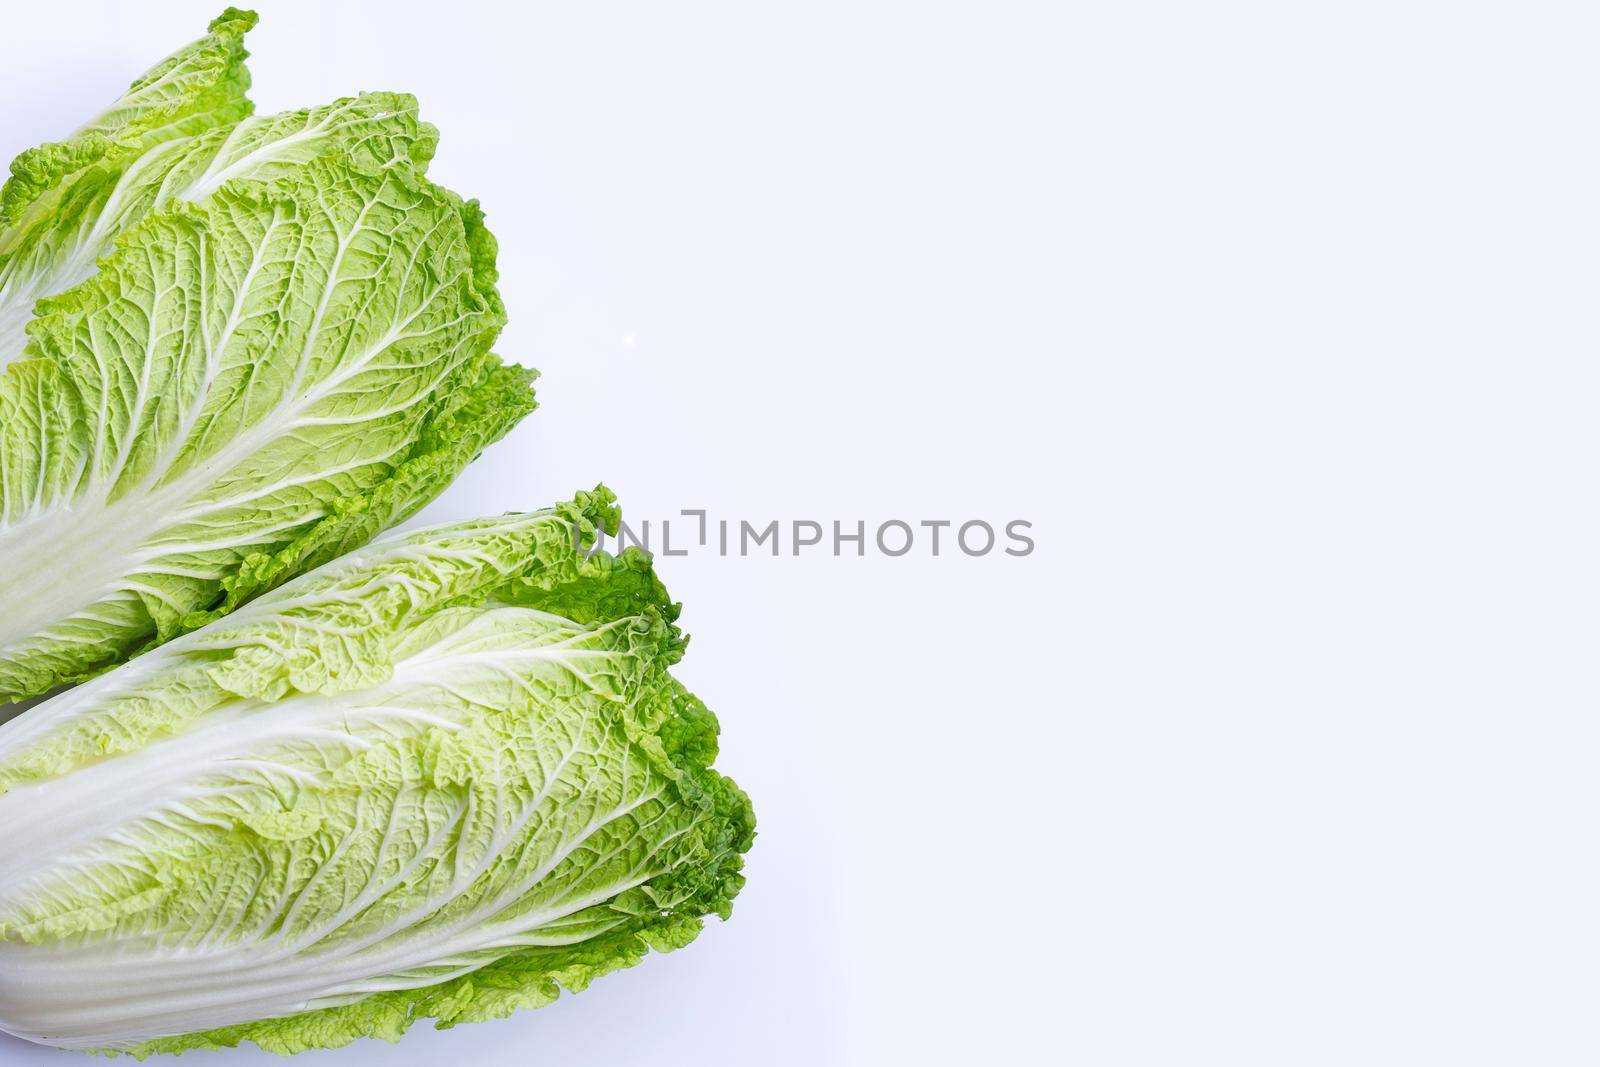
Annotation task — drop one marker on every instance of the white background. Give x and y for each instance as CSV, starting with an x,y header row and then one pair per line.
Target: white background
x,y
1278,322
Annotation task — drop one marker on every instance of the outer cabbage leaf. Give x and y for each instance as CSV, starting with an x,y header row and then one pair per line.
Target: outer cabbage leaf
x,y
246,387
442,776
50,228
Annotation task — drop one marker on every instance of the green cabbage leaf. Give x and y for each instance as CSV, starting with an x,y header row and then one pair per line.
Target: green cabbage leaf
x,y
66,200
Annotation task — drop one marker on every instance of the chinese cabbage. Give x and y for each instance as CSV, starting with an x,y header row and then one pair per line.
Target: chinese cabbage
x,y
442,776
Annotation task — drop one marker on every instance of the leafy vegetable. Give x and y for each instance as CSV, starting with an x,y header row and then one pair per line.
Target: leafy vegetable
x,y
439,777
59,249
285,354
65,201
